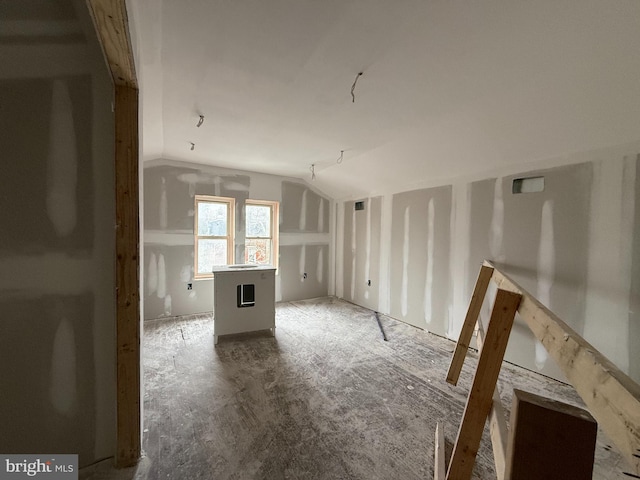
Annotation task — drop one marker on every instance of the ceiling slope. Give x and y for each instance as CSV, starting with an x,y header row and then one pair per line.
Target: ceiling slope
x,y
448,88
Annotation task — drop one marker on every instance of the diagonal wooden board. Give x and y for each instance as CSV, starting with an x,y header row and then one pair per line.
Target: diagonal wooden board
x,y
610,395
480,396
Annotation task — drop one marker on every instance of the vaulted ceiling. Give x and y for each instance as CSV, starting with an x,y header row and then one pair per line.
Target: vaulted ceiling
x,y
449,88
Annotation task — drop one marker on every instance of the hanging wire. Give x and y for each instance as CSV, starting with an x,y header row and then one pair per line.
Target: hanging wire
x,y
313,171
340,158
353,87
200,122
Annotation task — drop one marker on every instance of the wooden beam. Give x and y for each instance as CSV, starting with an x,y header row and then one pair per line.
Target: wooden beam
x,y
127,277
480,396
609,394
497,423
466,333
440,465
112,25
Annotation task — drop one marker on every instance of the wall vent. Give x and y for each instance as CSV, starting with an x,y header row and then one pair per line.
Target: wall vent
x,y
359,205
528,185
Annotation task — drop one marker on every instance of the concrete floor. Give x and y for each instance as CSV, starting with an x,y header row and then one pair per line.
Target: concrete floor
x,y
326,398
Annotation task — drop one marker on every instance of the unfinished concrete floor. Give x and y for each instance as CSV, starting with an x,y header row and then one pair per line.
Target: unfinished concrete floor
x,y
326,398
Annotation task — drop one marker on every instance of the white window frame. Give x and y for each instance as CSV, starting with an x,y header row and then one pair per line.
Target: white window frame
x,y
230,237
275,223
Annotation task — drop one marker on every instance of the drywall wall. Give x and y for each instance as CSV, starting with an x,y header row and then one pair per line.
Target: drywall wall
x,y
575,245
419,274
169,191
541,238
361,255
57,286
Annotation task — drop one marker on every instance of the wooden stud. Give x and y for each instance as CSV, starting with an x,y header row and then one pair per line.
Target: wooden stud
x,y
610,395
497,423
480,396
112,25
127,277
466,333
439,466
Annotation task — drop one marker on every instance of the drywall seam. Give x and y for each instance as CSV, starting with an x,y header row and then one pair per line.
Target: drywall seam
x,y
170,238
290,239
384,293
339,249
496,230
460,226
546,271
70,277
353,254
333,247
367,263
404,296
428,284
608,264
62,162
63,379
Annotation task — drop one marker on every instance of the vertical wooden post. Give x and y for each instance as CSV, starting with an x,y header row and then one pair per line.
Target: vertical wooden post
x,y
127,276
440,464
484,383
479,292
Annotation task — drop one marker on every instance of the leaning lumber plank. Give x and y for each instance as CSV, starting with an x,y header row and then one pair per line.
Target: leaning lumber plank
x,y
480,396
439,466
479,292
497,423
609,394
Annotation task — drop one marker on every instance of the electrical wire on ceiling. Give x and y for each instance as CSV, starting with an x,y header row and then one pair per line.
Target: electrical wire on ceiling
x,y
193,146
312,169
200,122
353,87
340,158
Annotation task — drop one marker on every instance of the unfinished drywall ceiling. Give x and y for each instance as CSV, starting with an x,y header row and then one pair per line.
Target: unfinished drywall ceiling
x,y
447,87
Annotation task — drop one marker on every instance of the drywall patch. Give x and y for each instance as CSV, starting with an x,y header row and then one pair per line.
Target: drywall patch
x,y
49,375
44,175
302,210
62,162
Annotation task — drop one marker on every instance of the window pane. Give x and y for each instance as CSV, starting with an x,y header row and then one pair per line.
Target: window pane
x,y
210,253
258,251
212,219
258,221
